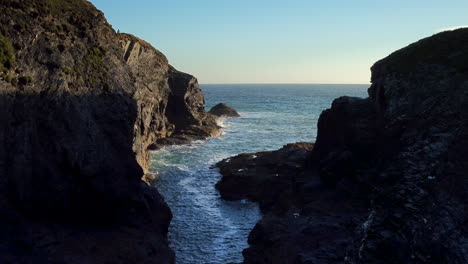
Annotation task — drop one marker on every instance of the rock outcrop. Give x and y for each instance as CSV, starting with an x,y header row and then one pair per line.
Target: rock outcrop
x,y
223,110
387,179
262,176
186,110
80,106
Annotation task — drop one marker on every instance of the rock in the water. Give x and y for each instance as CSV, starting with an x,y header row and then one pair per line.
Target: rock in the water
x,y
386,181
261,176
223,110
80,106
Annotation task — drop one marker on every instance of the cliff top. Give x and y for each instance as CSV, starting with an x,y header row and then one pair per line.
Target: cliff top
x,y
447,48
62,9
131,37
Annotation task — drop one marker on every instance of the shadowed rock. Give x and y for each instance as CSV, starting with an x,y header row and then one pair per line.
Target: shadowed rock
x,y
386,181
261,176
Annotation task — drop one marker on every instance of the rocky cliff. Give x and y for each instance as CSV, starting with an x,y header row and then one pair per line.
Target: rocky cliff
x,y
387,179
80,105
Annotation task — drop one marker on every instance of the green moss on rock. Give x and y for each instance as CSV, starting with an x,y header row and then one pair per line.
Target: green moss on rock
x,y
57,7
97,71
68,71
95,58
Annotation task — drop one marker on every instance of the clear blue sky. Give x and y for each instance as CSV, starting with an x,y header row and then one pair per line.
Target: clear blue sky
x,y
287,41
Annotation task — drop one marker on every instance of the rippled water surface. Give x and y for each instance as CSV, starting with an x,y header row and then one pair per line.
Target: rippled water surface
x,y
206,229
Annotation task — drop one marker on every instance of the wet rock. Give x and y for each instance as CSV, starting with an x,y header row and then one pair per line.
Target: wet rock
x,y
223,110
262,176
304,221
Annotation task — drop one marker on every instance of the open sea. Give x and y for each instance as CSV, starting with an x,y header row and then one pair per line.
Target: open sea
x,y
206,229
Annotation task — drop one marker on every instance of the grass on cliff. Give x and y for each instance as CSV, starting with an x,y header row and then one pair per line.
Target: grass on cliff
x,y
95,57
72,15
94,62
7,59
57,7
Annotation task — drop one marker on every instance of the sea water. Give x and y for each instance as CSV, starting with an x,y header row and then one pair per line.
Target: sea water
x,y
206,229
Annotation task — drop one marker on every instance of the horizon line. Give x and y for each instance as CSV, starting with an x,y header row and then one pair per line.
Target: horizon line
x,y
287,83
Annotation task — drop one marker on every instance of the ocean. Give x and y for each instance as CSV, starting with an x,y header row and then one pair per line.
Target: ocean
x,y
206,229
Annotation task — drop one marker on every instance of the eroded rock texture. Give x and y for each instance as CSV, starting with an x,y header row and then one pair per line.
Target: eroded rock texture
x,y
80,105
386,181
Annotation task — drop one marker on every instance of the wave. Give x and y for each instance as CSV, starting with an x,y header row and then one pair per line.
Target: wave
x,y
220,122
201,200
244,115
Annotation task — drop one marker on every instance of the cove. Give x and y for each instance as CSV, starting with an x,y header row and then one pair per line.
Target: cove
x,y
205,228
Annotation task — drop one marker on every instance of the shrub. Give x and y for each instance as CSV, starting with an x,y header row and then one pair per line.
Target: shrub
x,y
7,60
67,71
7,78
66,28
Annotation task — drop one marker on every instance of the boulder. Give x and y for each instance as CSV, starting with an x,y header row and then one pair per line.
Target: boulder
x,y
262,176
223,110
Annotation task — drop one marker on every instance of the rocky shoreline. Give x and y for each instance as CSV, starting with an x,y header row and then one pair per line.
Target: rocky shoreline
x,y
386,179
264,176
83,105
302,221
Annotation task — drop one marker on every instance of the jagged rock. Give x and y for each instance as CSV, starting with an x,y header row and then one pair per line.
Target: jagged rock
x,y
81,104
386,181
261,176
223,110
419,167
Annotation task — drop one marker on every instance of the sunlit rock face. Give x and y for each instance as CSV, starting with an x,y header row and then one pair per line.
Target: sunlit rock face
x,y
80,105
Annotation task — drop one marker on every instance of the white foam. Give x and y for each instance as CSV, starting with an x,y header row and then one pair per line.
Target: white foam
x,y
220,122
258,114
215,158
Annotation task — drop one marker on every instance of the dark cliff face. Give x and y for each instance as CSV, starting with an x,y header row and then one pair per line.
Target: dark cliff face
x,y
423,121
387,179
80,106
409,149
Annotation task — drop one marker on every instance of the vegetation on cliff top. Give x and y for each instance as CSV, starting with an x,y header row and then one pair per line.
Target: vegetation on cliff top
x,y
56,7
7,60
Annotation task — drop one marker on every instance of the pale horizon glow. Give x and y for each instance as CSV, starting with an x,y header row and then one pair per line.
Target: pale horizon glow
x,y
276,41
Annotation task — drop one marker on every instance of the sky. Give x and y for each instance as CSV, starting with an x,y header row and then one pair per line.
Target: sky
x,y
288,41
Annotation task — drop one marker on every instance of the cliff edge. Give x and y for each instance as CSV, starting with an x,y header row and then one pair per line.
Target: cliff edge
x,y
386,181
81,104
